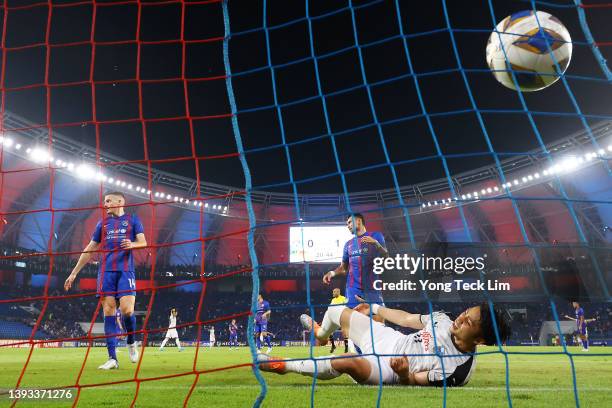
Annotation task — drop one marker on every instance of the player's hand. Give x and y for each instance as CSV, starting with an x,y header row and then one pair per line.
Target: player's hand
x,y
363,308
69,281
400,366
327,277
126,244
366,239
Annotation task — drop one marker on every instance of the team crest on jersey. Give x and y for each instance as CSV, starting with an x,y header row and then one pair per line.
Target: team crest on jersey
x,y
123,230
124,223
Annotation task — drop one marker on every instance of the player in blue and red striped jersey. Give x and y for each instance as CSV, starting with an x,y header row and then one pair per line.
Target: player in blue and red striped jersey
x,y
358,263
261,323
233,330
117,235
581,325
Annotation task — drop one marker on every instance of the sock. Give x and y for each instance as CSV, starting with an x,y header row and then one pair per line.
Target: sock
x,y
129,322
258,341
268,343
351,346
178,343
346,345
585,344
110,328
164,343
325,371
331,322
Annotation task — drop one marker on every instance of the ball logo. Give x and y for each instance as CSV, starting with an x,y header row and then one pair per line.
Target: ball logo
x,y
123,230
124,223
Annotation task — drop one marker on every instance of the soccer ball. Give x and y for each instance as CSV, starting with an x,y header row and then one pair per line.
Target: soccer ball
x,y
528,47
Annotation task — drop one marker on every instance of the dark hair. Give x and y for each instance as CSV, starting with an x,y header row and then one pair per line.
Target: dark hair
x,y
502,318
115,193
358,215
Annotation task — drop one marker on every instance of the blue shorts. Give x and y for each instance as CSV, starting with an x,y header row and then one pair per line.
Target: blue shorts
x,y
261,327
371,296
115,281
234,336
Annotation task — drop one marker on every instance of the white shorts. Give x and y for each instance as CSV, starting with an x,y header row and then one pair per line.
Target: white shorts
x,y
171,334
385,341
212,339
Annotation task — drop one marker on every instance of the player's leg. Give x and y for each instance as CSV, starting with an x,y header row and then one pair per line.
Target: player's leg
x,y
127,284
109,307
129,321
363,331
332,321
324,369
583,338
164,342
127,299
258,335
126,304
178,343
107,284
268,338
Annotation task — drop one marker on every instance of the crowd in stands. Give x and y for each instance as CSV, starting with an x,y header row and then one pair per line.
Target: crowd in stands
x,y
217,308
561,262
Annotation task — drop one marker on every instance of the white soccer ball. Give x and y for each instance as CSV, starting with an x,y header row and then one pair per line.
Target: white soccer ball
x,y
528,47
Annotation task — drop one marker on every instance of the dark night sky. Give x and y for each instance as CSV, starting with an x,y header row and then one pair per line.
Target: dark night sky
x,y
406,140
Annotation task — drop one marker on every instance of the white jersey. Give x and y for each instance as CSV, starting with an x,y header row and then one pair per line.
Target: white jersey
x,y
212,334
172,324
422,356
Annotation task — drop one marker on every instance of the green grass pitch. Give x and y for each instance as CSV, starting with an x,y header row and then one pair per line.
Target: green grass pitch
x,y
536,380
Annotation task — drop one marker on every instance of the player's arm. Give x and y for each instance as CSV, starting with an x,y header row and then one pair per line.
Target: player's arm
x,y
339,271
400,366
399,317
590,320
570,318
267,312
379,242
140,242
83,260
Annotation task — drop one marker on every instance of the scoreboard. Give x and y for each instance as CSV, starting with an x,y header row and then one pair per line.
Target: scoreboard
x,y
317,243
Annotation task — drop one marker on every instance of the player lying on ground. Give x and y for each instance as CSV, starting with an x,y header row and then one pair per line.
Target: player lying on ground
x,y
420,364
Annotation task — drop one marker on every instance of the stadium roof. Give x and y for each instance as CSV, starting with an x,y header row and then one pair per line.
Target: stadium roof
x,y
513,165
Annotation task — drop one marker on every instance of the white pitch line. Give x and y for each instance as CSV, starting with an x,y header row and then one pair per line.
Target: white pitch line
x,y
204,387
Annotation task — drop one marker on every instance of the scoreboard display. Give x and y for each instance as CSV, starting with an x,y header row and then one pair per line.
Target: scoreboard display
x,y
317,243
